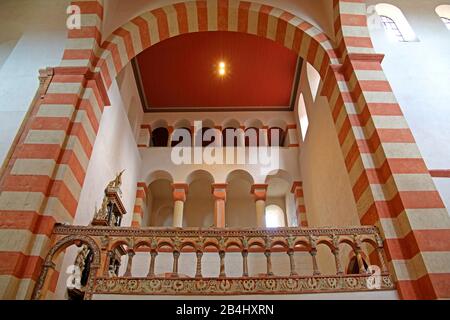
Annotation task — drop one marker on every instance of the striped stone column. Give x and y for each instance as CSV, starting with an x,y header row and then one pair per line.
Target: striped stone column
x,y
43,178
140,206
391,183
84,43
350,25
297,190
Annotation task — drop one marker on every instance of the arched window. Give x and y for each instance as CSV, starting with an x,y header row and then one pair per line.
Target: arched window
x,y
353,266
443,12
313,79
233,134
252,137
275,217
395,23
391,28
446,22
278,136
303,117
206,142
181,137
160,137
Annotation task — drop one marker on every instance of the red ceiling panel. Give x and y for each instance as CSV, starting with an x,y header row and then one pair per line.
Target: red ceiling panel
x,y
182,72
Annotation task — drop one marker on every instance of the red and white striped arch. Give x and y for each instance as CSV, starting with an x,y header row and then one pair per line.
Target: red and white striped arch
x,y
211,15
391,184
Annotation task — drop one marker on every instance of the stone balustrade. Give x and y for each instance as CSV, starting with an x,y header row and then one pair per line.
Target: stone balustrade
x,y
335,245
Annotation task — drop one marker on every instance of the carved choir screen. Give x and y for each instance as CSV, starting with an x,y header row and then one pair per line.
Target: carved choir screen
x,y
109,244
112,209
109,215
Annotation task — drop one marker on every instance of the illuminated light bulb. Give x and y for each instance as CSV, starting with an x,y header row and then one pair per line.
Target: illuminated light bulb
x,y
222,69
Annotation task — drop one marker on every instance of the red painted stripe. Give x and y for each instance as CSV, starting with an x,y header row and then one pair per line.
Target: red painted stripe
x,y
144,32
163,24
182,17
90,7
440,173
27,220
263,20
115,55
19,265
222,19
126,36
202,16
243,16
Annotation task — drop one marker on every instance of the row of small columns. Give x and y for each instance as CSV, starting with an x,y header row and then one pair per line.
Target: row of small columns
x,y
259,192
199,254
245,273
180,191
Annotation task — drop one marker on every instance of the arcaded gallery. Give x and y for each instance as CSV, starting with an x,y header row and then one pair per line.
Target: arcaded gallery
x,y
262,149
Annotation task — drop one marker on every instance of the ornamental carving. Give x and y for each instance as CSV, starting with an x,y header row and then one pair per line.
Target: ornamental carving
x,y
114,240
112,208
291,285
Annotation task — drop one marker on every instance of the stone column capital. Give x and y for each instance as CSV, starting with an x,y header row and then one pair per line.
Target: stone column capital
x,y
179,191
219,191
259,191
297,189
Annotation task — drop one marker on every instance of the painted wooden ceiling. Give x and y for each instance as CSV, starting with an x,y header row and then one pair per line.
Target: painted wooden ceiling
x,y
182,73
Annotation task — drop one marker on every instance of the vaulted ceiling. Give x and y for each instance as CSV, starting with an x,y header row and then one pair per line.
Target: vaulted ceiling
x,y
182,73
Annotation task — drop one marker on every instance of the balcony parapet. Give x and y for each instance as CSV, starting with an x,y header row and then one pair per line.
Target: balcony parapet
x,y
361,241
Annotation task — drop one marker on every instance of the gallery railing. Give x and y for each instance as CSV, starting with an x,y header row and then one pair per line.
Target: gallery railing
x,y
105,246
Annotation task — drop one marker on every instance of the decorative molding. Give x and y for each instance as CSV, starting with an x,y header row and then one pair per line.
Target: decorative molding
x,y
238,286
89,75
440,173
295,185
104,240
61,229
375,57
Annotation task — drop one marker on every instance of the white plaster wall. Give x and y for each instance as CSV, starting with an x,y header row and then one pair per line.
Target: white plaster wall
x,y
160,159
6,47
114,150
240,209
328,195
130,97
419,73
32,37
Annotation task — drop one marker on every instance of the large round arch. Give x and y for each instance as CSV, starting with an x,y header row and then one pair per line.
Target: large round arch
x,y
154,26
353,114
60,246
